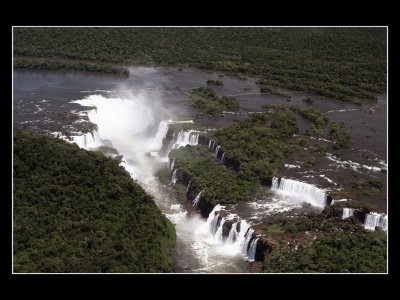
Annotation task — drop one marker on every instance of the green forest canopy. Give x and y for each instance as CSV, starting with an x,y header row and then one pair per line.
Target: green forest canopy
x,y
79,211
344,63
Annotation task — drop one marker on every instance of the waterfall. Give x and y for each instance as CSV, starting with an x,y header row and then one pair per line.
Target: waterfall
x,y
232,234
187,188
212,219
88,140
216,151
197,199
218,234
174,177
247,236
189,137
96,137
160,135
241,240
252,251
171,143
300,191
384,222
193,138
212,145
374,219
275,183
347,212
172,164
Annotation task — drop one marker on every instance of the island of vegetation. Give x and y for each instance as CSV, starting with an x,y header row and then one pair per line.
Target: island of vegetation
x,y
209,103
215,82
254,151
79,211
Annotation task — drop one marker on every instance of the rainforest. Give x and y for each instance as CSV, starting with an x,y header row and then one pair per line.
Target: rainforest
x,y
200,150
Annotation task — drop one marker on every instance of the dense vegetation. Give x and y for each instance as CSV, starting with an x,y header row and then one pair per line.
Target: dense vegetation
x,y
340,135
220,185
257,148
317,119
209,103
215,82
269,90
254,152
317,244
42,64
343,63
78,211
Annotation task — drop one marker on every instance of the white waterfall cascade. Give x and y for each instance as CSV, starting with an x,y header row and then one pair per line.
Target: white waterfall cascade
x,y
214,147
347,212
186,137
197,199
252,250
187,188
171,143
172,164
174,178
232,234
88,141
247,237
241,240
216,151
300,191
161,134
218,234
211,145
374,219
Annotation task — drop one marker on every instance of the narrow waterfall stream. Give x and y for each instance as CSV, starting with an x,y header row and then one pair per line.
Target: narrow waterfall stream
x,y
347,212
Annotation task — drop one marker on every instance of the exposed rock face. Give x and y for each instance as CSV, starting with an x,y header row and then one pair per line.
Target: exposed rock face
x,y
329,199
184,178
360,214
205,208
227,228
203,140
333,212
266,181
264,247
